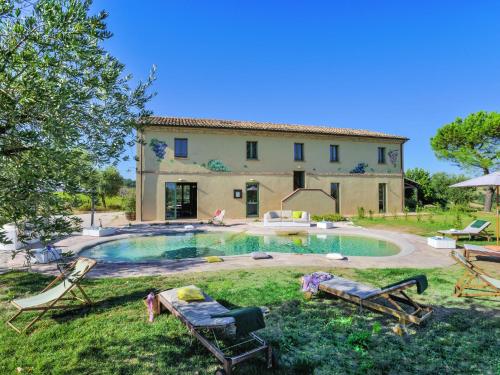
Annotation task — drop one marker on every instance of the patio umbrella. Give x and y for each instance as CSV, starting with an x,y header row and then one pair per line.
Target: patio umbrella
x,y
492,179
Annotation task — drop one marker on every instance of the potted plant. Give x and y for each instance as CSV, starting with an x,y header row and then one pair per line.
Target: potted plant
x,y
130,207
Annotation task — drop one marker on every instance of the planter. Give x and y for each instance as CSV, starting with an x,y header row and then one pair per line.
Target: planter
x,y
98,232
130,216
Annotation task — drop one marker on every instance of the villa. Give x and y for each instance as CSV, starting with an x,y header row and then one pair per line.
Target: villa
x,y
189,168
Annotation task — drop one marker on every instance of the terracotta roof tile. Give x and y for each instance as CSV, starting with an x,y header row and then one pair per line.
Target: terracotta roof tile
x,y
265,126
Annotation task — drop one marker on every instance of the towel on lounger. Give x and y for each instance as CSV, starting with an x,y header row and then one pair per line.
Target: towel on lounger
x,y
421,281
247,319
310,283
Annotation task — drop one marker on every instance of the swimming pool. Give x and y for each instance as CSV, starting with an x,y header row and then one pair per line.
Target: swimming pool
x,y
194,245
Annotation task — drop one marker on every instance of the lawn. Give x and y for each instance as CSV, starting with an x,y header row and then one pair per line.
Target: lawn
x,y
317,336
428,223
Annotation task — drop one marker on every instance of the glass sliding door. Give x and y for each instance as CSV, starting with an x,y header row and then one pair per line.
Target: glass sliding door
x,y
180,200
170,200
252,194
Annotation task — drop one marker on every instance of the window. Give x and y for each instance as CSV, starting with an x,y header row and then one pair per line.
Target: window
x,y
298,180
381,155
334,192
382,193
181,148
298,151
334,153
252,150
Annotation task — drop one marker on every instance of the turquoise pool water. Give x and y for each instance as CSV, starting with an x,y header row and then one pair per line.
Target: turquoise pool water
x,y
193,245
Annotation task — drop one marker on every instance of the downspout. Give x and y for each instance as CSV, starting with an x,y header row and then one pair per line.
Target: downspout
x,y
402,178
141,171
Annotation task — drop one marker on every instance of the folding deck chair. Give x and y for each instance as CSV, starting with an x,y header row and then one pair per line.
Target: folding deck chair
x,y
51,295
215,333
391,300
474,229
475,279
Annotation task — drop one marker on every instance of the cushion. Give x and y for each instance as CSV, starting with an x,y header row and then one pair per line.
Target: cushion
x,y
296,214
335,256
260,255
190,293
478,224
274,215
213,259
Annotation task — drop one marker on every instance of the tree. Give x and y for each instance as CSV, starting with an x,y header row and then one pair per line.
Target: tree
x,y
472,143
63,97
423,179
110,182
444,194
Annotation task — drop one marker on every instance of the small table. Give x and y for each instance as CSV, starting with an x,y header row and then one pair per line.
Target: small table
x,y
439,242
325,224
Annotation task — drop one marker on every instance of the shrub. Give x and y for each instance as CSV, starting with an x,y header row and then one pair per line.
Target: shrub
x,y
329,217
370,214
361,212
130,204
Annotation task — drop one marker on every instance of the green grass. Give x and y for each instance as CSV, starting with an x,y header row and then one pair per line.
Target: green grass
x,y
317,336
428,223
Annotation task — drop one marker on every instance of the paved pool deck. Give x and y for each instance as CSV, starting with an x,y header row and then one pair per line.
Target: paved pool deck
x,y
415,253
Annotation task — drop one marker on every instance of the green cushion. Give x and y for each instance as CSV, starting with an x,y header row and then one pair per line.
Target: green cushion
x,y
296,214
478,223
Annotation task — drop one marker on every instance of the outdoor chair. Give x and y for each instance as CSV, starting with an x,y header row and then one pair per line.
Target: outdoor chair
x,y
392,299
470,250
218,218
474,282
49,297
475,229
217,334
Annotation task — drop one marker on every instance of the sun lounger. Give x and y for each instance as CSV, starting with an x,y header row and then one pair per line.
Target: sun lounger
x,y
475,229
470,250
215,333
474,282
391,300
51,295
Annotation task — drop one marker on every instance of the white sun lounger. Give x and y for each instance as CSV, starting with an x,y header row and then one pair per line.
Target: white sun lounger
x,y
197,318
471,230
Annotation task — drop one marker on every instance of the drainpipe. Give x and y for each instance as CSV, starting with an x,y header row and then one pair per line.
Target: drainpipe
x,y
141,158
402,178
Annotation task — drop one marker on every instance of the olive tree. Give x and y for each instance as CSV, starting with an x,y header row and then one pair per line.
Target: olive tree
x,y
63,99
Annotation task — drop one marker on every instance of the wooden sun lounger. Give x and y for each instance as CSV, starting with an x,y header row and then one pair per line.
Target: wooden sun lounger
x,y
474,282
197,318
391,300
51,295
470,250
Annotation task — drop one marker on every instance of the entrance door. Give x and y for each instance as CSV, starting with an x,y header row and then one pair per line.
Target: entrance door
x,y
252,199
298,180
180,200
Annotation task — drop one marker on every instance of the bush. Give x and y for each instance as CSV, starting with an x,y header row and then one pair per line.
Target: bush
x,y
329,217
361,212
130,204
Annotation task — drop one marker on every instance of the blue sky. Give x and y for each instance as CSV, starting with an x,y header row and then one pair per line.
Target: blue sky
x,y
402,67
